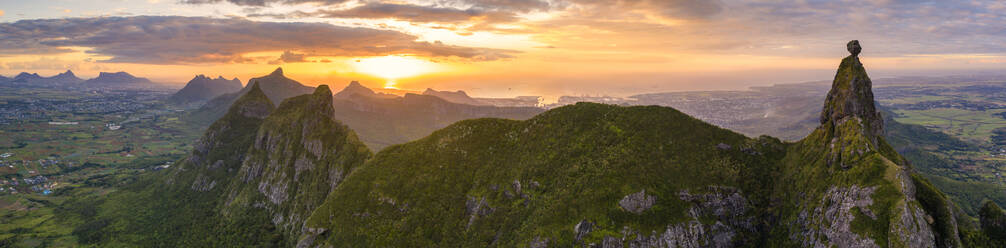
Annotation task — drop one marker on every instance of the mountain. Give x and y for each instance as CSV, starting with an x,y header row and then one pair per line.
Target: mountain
x,y
644,176
66,78
300,154
275,85
117,79
251,180
354,90
62,79
202,88
25,77
583,175
383,120
278,87
455,97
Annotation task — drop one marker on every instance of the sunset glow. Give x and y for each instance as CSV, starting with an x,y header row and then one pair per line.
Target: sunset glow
x,y
500,48
393,67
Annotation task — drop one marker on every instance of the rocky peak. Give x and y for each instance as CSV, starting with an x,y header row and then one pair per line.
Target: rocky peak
x,y
851,95
321,101
27,76
277,72
67,73
253,104
355,88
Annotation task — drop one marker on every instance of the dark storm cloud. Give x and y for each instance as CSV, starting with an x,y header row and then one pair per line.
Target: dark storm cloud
x,y
173,39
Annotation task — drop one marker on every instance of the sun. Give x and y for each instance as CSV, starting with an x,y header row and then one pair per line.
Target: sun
x,y
393,67
390,84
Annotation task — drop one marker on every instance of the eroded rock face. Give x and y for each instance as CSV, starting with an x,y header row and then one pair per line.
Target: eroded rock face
x,y
725,205
477,207
911,229
830,224
582,229
637,202
853,47
203,183
300,153
851,95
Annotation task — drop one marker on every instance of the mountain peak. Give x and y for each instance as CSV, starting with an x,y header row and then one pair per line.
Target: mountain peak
x,y
254,103
355,88
277,72
851,94
322,90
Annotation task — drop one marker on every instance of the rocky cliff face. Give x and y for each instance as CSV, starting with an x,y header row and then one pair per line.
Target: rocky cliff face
x,y
299,154
217,155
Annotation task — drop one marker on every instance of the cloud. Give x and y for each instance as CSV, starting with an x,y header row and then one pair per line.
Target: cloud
x,y
181,40
290,57
504,5
1,12
674,9
416,13
264,2
451,18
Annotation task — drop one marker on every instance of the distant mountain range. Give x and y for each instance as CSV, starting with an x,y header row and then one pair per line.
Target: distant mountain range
x,y
65,78
68,78
275,86
117,79
463,98
380,119
202,88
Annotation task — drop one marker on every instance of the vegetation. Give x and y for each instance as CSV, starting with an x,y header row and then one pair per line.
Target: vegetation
x,y
541,177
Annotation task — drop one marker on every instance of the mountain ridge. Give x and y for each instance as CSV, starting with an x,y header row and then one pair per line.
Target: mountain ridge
x,y
202,88
583,175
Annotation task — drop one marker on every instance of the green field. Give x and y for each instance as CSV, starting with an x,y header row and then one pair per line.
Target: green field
x,y
969,125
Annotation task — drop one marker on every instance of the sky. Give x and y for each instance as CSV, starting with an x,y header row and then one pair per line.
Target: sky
x,y
503,48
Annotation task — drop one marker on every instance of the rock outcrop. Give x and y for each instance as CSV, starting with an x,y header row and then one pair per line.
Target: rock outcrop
x,y
637,202
850,187
299,154
217,155
851,95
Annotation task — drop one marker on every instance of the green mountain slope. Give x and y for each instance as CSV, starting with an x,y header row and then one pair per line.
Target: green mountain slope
x,y
513,183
